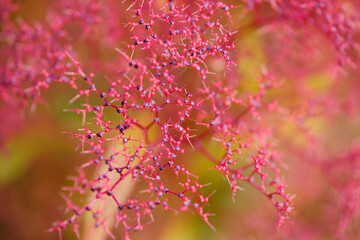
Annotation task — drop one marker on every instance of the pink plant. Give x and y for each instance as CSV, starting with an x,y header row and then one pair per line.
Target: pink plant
x,y
162,83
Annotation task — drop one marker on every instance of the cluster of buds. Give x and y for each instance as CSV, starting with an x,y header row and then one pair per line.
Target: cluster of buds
x,y
172,92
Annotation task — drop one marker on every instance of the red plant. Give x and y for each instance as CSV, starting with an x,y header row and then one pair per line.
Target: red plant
x,y
166,86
